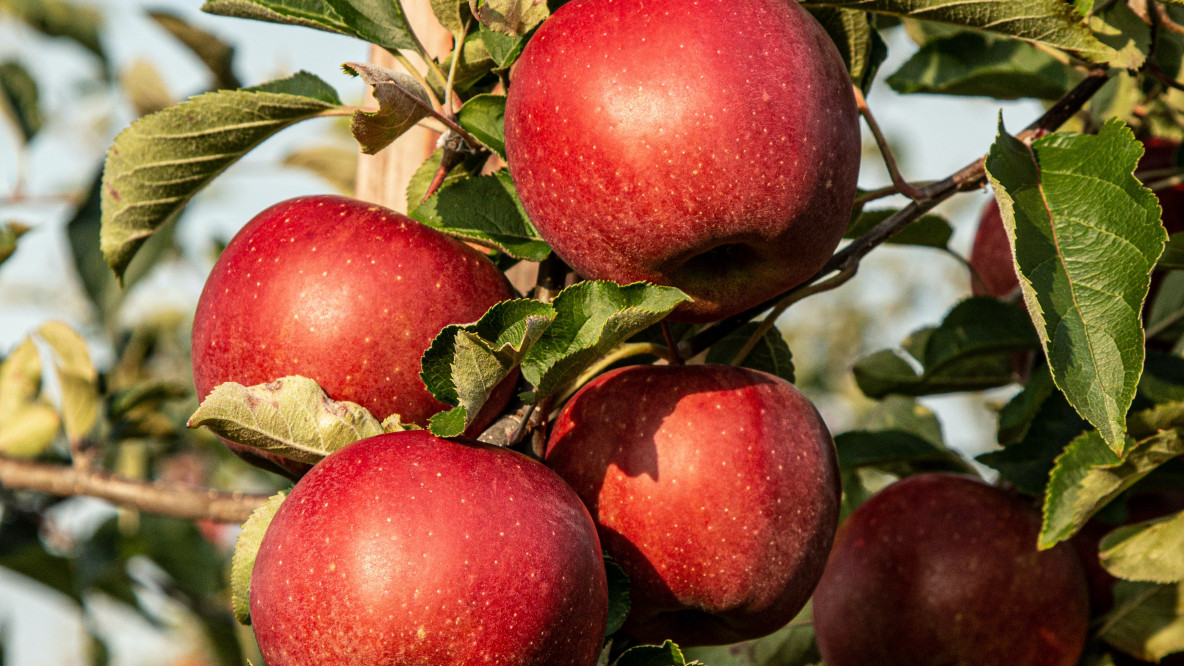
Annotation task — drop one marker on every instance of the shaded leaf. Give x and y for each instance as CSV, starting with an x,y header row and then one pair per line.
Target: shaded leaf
x,y
19,98
77,378
465,363
1086,235
888,448
160,161
897,412
215,54
792,645
970,350
511,17
375,21
858,43
1173,254
290,417
1088,475
28,423
498,222
475,63
1152,551
145,88
504,49
452,14
1120,28
81,23
591,318
1051,22
618,595
975,63
1147,621
402,102
484,117
245,551
771,353
666,654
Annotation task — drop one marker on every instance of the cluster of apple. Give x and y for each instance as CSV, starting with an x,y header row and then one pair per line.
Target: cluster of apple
x,y
715,488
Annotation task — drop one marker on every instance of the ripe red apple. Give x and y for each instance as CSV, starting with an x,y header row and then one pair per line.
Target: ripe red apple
x,y
990,256
943,569
410,549
714,148
714,487
344,292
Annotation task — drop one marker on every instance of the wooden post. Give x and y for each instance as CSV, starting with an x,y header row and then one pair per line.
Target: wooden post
x,y
383,178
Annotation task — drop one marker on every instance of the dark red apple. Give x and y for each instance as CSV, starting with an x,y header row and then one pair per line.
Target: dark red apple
x,y
711,147
344,292
714,487
943,569
410,549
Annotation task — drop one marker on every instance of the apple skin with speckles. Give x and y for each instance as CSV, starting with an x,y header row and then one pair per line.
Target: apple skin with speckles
x,y
347,293
715,488
713,147
943,569
410,549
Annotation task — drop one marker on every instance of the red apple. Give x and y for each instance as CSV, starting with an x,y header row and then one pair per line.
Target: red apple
x,y
943,569
410,549
714,148
714,487
344,292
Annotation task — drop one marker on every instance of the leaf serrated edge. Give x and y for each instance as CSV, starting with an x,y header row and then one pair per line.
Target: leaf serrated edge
x,y
246,548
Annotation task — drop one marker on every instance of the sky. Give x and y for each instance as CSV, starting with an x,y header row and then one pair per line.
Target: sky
x,y
935,136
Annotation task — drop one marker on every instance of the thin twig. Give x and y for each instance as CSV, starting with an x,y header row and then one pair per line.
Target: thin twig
x,y
971,177
1164,324
898,180
456,49
177,501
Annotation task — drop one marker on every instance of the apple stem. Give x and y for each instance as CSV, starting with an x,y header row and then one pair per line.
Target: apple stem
x,y
552,278
898,180
970,177
458,46
453,155
672,346
168,500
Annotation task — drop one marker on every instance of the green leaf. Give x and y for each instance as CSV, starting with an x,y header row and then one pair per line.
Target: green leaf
x,y
1173,254
897,412
1147,621
290,417
215,54
1050,22
465,363
1151,551
452,14
28,423
666,654
510,17
81,23
504,49
376,21
19,98
402,102
618,595
1048,428
591,318
245,551
888,448
1163,377
484,116
1120,28
926,231
475,63
970,350
792,645
771,353
1086,235
980,64
499,222
1088,475
9,233
859,45
426,173
160,161
77,378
